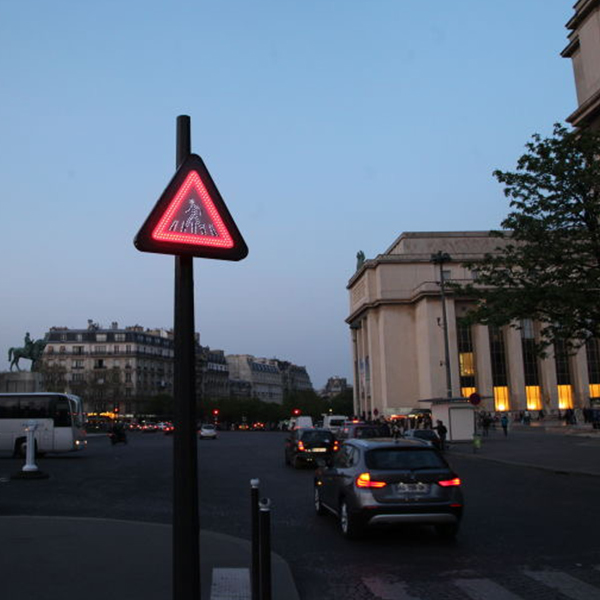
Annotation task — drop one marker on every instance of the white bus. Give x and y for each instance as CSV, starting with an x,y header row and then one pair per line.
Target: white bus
x,y
59,418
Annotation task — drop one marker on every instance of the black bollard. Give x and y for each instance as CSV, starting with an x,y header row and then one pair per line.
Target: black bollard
x,y
255,571
265,549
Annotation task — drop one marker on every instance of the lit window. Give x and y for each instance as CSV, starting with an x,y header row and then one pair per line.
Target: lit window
x,y
534,397
501,397
565,397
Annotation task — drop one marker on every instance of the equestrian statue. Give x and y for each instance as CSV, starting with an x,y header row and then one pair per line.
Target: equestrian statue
x,y
32,351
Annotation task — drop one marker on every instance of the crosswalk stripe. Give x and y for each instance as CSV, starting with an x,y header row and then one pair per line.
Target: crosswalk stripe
x,y
484,589
230,584
566,584
388,591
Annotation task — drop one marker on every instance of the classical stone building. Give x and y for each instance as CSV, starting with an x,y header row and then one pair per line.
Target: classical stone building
x,y
584,51
398,343
110,367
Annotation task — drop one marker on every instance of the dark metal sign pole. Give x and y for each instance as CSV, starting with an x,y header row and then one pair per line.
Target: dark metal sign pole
x,y
186,522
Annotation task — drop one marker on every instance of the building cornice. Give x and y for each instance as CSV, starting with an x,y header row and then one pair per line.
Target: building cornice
x,y
588,112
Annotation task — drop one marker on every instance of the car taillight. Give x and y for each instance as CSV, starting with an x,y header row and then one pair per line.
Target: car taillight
x,y
449,482
300,446
336,446
364,481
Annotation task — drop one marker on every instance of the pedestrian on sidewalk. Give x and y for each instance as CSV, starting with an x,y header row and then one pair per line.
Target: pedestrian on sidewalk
x,y
441,431
504,423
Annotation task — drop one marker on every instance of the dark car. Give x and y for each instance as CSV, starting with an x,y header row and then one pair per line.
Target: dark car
x,y
383,482
426,435
360,429
304,446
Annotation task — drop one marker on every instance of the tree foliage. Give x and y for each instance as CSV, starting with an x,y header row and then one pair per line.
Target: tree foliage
x,y
548,266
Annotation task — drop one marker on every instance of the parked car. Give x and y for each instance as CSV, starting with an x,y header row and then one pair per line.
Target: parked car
x,y
304,446
428,436
207,432
360,429
382,482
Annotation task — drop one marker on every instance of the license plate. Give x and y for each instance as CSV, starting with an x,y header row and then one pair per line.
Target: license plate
x,y
318,450
413,488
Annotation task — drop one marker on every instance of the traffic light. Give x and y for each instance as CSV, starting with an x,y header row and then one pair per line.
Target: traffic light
x,y
116,409
296,412
215,412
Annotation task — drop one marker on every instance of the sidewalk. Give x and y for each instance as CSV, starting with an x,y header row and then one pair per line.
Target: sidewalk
x,y
51,558
551,446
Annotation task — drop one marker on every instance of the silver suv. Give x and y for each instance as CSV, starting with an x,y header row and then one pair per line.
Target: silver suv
x,y
384,481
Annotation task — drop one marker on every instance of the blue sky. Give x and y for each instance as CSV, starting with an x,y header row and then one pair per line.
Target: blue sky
x,y
328,126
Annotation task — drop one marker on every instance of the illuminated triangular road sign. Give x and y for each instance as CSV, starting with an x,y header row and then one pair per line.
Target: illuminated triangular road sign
x,y
190,218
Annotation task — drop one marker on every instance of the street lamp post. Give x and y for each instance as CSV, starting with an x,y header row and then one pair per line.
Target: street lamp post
x,y
440,258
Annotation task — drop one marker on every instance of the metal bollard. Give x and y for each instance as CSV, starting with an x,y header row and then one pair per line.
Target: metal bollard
x,y
265,549
255,570
30,465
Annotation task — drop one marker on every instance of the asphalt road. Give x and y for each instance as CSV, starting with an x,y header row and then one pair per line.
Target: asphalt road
x,y
517,520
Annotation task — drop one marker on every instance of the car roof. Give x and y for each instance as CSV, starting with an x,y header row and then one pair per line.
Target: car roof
x,y
376,443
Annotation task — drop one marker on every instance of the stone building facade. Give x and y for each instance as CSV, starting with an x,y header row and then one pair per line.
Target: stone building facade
x,y
397,328
584,51
110,367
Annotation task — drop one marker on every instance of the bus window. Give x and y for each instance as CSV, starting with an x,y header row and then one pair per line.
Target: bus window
x,y
62,413
9,408
34,408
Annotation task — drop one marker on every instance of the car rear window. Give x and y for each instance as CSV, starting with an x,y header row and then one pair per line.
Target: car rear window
x,y
385,459
317,436
426,435
370,432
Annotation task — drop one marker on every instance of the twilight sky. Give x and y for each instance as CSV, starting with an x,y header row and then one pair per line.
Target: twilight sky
x,y
329,126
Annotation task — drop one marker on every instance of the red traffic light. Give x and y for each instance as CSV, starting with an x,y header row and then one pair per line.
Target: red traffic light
x,y
116,409
296,411
215,411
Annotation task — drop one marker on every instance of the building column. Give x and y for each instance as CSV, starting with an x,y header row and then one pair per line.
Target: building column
x,y
581,379
548,381
483,366
516,373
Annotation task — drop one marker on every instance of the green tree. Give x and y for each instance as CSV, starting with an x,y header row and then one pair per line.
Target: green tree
x,y
548,266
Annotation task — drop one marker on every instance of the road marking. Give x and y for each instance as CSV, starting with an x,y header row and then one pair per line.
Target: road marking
x,y
388,591
230,584
566,584
484,589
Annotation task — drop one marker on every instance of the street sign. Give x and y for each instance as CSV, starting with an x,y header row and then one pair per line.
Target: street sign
x,y
191,219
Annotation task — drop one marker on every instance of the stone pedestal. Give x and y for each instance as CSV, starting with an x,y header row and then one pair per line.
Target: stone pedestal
x,y
20,382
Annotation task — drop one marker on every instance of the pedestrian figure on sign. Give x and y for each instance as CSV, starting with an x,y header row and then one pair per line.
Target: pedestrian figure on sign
x,y
442,432
193,221
504,423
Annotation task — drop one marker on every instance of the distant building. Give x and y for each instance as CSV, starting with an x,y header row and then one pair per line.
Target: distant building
x,y
294,378
110,367
584,51
263,375
334,387
212,374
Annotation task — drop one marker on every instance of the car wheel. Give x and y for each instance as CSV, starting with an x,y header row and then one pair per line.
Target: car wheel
x,y
349,524
447,530
319,508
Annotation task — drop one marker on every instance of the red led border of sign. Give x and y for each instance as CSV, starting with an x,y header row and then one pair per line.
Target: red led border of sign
x,y
161,232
